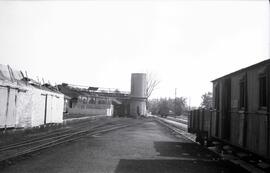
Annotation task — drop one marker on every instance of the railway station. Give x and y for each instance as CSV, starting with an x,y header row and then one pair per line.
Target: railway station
x,y
134,86
86,113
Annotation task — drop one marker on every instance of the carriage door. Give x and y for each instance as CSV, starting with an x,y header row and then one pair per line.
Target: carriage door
x,y
226,109
45,102
216,94
49,108
3,106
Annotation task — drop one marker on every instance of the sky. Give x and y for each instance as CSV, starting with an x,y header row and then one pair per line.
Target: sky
x,y
184,44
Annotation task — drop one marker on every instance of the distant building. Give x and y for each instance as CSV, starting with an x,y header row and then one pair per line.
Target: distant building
x,y
81,100
93,101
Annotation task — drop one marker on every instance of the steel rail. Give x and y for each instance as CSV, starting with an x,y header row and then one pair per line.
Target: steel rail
x,y
47,138
53,134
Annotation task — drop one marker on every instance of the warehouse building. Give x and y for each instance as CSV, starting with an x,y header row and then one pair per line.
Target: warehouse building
x,y
83,100
26,103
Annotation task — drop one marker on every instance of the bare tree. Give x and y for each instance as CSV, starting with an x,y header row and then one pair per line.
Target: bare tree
x,y
151,84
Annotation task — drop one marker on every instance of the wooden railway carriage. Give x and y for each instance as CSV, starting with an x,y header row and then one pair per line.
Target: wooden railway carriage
x,y
240,114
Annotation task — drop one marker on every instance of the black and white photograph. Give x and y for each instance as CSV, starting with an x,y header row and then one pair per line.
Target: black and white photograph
x,y
134,86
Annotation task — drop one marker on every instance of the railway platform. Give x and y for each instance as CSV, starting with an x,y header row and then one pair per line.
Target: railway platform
x,y
122,145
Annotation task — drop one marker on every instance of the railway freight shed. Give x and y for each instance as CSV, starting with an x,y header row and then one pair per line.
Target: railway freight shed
x,y
241,108
82,100
26,103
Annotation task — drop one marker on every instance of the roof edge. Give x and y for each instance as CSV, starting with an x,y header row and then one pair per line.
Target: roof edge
x,y
243,69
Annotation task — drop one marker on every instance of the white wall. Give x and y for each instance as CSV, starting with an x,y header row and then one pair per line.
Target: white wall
x,y
26,106
54,109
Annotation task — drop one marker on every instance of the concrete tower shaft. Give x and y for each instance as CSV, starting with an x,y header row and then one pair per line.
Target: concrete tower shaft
x,y
138,94
138,85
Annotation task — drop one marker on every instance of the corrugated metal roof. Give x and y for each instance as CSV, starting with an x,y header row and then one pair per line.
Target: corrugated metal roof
x,y
13,77
75,92
68,91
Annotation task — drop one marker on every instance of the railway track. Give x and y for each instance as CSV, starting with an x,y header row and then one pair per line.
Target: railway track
x,y
182,125
11,151
51,134
179,129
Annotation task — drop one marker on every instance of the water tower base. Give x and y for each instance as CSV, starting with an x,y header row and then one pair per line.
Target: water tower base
x,y
138,108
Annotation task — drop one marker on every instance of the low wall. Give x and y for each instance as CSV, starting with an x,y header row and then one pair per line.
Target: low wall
x,y
91,111
87,111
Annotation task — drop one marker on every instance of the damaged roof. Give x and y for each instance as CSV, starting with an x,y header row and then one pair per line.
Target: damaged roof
x,y
75,92
13,77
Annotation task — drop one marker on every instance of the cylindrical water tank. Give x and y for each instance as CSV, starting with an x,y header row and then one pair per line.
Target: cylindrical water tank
x,y
138,85
138,94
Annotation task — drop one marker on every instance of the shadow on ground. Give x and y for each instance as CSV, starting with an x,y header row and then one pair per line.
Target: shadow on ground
x,y
179,157
179,166
183,149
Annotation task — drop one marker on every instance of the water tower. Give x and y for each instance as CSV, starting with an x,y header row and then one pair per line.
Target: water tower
x,y
138,94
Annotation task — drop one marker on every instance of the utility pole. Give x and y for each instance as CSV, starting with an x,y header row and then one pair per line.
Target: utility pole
x,y
175,92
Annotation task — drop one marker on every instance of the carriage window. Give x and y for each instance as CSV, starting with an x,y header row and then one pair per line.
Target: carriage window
x,y
70,104
262,91
217,97
242,94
